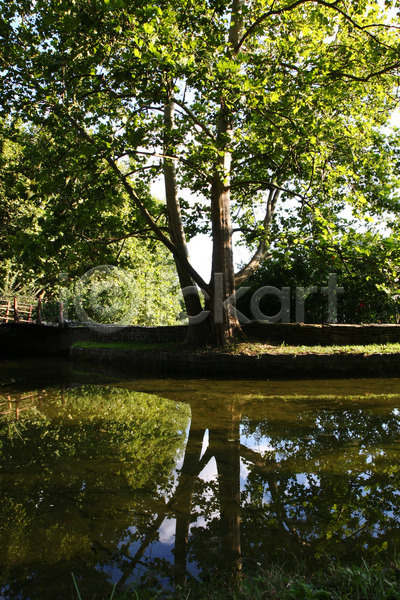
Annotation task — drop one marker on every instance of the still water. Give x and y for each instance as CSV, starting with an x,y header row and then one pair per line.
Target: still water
x,y
153,481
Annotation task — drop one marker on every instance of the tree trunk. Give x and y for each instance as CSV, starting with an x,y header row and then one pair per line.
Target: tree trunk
x,y
222,325
224,322
198,333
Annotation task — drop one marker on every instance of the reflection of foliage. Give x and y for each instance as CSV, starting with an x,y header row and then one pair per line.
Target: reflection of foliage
x,y
89,473
329,486
322,481
75,476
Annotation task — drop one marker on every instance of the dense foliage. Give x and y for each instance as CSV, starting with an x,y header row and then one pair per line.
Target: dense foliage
x,y
366,267
52,236
250,105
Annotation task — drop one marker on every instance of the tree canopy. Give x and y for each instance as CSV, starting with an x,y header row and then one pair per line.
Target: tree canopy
x,y
249,104
53,233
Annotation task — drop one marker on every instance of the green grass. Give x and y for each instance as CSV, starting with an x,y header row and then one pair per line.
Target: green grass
x,y
257,349
252,348
338,583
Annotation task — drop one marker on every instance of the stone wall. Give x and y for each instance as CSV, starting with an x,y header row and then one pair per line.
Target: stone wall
x,y
150,335
267,366
24,339
28,339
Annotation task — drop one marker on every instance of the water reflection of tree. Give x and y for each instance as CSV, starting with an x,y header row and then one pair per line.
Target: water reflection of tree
x,y
326,487
224,446
321,480
85,467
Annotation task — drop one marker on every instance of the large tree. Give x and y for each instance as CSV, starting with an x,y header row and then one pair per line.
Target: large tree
x,y
246,103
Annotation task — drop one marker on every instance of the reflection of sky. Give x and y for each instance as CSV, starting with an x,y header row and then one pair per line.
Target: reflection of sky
x,y
166,533
209,473
206,440
160,549
163,547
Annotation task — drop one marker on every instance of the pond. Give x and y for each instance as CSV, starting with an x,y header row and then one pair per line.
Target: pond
x,y
153,481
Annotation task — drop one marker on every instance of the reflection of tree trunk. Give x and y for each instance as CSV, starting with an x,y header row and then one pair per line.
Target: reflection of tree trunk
x,y
183,498
149,537
226,449
181,504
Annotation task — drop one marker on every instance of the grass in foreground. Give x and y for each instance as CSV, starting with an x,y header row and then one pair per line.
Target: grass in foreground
x,y
252,348
340,583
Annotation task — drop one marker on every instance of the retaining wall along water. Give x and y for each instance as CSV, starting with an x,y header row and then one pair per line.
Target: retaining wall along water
x,y
26,338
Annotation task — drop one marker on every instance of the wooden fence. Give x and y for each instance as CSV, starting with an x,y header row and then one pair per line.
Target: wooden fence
x,y
15,310
12,310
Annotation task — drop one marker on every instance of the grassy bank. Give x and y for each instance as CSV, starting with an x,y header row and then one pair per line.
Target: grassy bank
x,y
254,349
257,349
338,583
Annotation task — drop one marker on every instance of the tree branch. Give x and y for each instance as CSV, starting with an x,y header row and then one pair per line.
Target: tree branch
x,y
143,210
265,16
387,69
268,185
262,250
113,240
332,5
194,118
